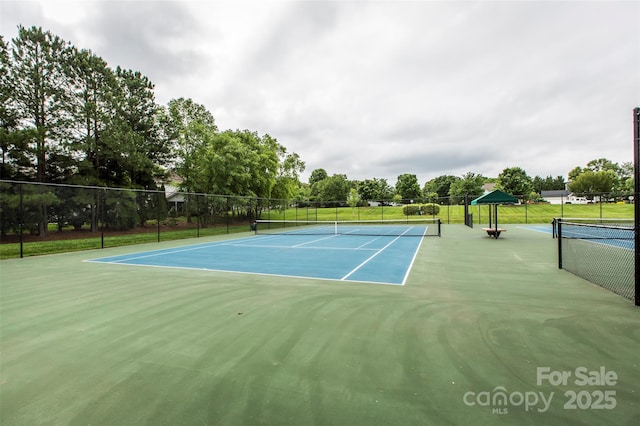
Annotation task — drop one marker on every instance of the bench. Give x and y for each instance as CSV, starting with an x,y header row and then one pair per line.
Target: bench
x,y
494,232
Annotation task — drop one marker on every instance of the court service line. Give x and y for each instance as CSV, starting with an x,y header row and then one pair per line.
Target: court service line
x,y
299,246
313,241
406,275
368,242
374,255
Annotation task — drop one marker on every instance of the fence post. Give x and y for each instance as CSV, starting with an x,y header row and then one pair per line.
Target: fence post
x,y
466,209
636,199
228,217
559,229
101,215
158,213
601,207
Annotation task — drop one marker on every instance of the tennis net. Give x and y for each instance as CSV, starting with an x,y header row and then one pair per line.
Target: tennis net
x,y
399,228
598,250
595,229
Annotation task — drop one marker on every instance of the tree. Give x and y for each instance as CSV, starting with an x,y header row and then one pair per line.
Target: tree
x,y
242,163
590,182
226,165
353,199
408,188
95,92
548,184
14,141
626,178
188,127
601,164
333,190
38,84
136,130
574,173
470,184
601,176
288,177
515,181
374,190
440,185
317,175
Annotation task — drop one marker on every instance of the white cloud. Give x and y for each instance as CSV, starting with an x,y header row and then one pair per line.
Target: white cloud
x,y
377,89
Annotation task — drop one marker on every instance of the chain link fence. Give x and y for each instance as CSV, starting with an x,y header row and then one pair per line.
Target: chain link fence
x,y
35,218
601,251
45,218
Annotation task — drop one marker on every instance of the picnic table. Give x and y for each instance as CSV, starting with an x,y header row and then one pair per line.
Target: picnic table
x,y
494,232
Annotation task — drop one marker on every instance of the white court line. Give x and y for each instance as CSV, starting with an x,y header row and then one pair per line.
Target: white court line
x,y
368,242
313,241
406,275
374,255
299,246
231,271
157,253
162,252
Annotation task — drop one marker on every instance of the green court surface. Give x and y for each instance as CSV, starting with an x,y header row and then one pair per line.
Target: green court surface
x,y
485,332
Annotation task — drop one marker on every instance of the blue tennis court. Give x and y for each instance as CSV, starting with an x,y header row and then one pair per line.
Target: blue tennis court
x,y
383,259
616,236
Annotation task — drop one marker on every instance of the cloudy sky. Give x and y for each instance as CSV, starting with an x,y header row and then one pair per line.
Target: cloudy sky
x,y
380,88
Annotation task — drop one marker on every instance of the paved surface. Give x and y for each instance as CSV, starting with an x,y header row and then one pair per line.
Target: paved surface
x,y
485,331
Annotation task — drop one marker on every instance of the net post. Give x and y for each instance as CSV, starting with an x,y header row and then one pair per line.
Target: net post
x,y
636,199
559,236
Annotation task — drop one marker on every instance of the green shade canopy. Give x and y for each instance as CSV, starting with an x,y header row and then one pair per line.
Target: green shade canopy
x,y
495,197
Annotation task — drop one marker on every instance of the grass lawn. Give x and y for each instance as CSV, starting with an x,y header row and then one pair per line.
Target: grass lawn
x,y
534,213
528,213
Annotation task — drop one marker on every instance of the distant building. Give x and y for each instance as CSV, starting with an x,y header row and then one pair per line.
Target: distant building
x,y
488,187
562,197
175,198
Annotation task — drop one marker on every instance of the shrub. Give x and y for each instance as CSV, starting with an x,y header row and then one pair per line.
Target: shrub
x,y
411,209
430,209
420,209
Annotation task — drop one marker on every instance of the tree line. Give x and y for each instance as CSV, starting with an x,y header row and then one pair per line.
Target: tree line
x,y
599,176
67,117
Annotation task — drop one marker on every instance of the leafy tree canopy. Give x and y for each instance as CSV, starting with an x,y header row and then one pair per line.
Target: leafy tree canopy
x,y
440,185
375,190
470,184
408,187
601,176
515,181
